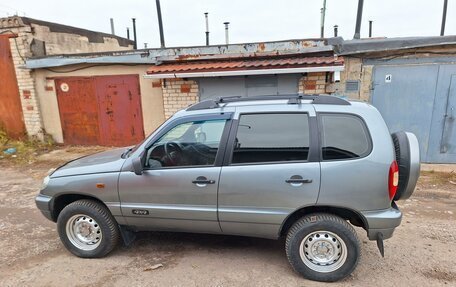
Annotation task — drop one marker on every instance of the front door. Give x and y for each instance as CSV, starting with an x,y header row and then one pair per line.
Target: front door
x,y
272,170
178,188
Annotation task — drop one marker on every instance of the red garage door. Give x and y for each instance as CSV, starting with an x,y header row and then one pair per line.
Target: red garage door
x,y
11,119
102,110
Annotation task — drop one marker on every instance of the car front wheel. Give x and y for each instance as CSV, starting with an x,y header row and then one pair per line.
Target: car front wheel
x,y
87,229
323,247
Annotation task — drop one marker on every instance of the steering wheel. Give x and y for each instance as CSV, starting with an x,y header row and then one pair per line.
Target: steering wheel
x,y
173,152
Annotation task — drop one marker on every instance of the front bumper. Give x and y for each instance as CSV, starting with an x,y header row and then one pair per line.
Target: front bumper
x,y
43,202
382,221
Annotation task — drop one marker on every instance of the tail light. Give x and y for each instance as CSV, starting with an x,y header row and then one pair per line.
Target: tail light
x,y
393,179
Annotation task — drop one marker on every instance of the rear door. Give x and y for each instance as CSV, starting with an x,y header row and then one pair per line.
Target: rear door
x,y
271,168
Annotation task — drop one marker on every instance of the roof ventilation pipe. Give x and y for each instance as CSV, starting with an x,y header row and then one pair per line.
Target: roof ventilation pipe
x,y
135,44
359,15
370,28
207,28
112,26
227,38
160,24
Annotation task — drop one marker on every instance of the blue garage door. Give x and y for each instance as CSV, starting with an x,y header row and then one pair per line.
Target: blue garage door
x,y
420,99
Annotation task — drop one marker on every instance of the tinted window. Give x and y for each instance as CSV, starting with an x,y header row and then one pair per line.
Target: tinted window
x,y
271,137
187,144
344,137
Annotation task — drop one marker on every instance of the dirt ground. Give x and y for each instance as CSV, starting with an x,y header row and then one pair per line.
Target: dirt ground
x,y
421,252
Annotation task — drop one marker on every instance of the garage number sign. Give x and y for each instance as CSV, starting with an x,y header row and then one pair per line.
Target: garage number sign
x,y
388,78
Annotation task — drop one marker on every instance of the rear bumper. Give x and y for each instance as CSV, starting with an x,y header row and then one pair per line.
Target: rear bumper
x,y
43,202
382,221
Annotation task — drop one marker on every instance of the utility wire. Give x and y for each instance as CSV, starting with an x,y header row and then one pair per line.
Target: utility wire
x,y
15,42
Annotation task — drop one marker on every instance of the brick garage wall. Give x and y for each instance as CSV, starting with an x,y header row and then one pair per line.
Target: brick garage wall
x,y
26,83
178,94
315,83
352,72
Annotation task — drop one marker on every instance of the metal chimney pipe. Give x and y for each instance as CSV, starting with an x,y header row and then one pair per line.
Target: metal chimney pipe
x,y
359,15
370,28
322,21
336,30
160,24
227,38
145,45
135,44
207,28
112,26
128,33
442,29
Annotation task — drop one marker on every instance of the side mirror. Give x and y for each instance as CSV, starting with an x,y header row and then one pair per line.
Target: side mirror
x,y
137,166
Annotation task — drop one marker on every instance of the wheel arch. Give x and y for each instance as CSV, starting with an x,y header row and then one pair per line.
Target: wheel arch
x,y
354,217
62,200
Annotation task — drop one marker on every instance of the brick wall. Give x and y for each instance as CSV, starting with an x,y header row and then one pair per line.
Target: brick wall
x,y
314,83
178,94
26,83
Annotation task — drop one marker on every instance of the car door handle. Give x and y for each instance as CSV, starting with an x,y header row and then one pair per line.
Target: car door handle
x,y
202,181
298,180
207,181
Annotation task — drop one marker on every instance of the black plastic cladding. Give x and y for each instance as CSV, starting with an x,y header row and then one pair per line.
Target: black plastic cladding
x,y
293,99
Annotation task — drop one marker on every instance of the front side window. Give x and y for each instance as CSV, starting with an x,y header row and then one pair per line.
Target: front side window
x,y
189,144
344,137
271,138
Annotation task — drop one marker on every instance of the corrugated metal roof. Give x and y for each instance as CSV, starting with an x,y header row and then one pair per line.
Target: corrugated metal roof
x,y
246,64
350,47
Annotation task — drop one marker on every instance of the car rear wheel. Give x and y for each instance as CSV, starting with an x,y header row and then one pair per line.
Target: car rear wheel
x,y
322,247
87,229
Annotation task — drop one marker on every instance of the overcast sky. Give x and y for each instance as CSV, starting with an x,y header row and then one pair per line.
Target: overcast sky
x,y
251,20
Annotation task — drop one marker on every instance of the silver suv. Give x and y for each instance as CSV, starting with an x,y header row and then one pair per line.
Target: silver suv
x,y
300,167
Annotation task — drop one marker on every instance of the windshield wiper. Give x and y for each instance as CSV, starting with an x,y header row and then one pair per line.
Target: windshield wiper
x,y
126,152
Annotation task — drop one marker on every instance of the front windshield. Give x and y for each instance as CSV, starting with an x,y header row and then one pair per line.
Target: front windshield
x,y
135,148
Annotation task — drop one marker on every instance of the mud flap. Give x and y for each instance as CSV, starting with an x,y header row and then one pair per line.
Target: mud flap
x,y
380,246
128,236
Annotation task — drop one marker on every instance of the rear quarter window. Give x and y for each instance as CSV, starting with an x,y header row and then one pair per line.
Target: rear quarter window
x,y
344,136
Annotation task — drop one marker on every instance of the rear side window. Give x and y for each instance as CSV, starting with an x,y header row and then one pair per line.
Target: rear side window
x,y
344,137
271,138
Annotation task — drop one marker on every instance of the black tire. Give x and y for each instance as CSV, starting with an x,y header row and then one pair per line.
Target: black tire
x,y
402,148
316,224
103,220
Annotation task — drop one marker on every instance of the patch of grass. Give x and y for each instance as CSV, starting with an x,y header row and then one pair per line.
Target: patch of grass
x,y
26,150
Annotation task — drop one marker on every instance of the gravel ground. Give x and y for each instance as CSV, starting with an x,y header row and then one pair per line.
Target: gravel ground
x,y
421,252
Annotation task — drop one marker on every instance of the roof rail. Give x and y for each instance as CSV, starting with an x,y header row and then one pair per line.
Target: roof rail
x,y
292,99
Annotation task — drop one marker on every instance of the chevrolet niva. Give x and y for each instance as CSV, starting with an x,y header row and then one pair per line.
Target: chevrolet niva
x,y
302,167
